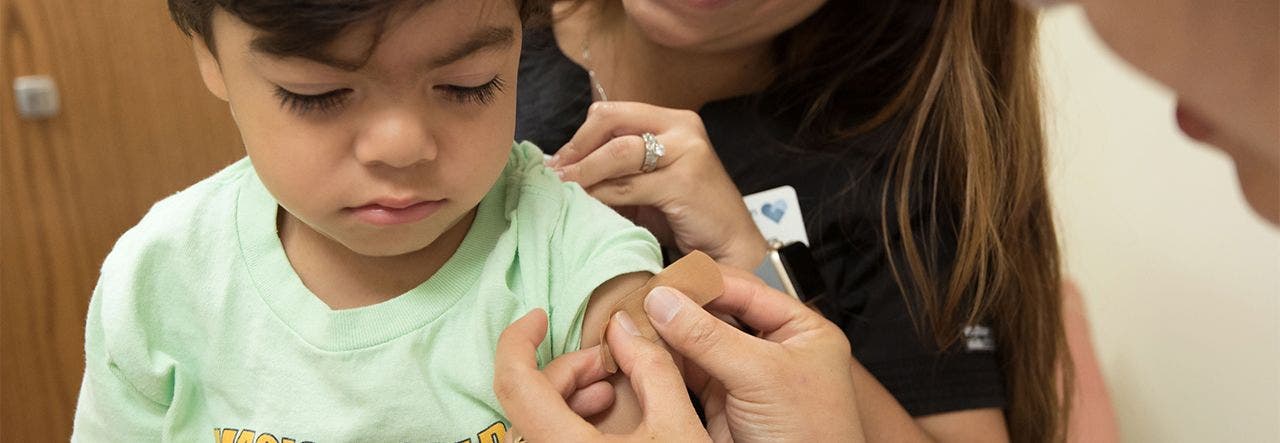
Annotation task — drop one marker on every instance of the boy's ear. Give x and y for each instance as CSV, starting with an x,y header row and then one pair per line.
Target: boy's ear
x,y
210,71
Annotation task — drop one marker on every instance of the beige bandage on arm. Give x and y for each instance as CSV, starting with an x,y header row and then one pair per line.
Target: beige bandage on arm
x,y
696,275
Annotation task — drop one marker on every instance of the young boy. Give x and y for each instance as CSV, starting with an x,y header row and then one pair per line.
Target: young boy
x,y
348,280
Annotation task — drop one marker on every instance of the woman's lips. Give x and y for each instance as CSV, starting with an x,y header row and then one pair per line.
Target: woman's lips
x,y
388,213
701,5
708,4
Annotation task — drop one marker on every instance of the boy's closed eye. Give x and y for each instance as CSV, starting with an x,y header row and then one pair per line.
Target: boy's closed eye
x,y
477,54
327,102
303,104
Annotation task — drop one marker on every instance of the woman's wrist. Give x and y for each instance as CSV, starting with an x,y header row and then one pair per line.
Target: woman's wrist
x,y
751,249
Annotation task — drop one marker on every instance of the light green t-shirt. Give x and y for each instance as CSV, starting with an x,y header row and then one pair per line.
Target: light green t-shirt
x,y
200,330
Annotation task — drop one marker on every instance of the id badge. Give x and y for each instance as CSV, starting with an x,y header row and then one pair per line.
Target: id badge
x,y
777,215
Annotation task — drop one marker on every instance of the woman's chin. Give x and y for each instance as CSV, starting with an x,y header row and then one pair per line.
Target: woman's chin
x,y
1260,183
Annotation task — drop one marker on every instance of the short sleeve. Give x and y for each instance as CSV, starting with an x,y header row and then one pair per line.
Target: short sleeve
x,y
569,244
125,393
591,245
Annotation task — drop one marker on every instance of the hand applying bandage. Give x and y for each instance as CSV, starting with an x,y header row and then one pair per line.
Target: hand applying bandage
x,y
697,275
792,381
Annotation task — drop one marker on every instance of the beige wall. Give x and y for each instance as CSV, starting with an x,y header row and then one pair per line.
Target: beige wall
x,y
1181,280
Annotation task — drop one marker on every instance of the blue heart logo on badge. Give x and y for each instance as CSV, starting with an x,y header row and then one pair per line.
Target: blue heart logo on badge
x,y
774,210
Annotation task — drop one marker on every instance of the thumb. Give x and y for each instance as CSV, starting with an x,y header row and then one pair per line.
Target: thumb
x,y
532,402
724,352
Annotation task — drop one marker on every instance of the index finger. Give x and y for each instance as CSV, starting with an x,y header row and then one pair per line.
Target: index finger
x,y
576,370
605,121
654,377
530,401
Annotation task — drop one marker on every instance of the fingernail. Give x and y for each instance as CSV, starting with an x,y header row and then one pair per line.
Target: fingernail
x,y
662,304
554,160
625,322
560,173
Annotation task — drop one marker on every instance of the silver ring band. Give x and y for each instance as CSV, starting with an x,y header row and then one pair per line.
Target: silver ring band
x,y
653,150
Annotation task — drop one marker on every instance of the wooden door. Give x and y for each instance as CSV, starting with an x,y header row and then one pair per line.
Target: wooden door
x,y
136,125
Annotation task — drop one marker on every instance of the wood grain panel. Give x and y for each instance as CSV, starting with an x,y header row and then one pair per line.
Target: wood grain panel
x,y
136,125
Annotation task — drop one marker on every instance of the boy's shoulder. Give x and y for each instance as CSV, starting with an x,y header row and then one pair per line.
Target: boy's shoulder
x,y
200,203
560,213
535,195
527,173
532,191
186,223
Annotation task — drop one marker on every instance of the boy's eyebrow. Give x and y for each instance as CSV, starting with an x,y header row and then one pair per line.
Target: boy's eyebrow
x,y
490,38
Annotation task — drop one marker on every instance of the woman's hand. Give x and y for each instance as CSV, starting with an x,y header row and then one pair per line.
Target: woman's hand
x,y
794,381
689,200
791,382
535,401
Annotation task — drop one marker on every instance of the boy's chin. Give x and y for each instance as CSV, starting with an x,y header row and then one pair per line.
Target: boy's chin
x,y
393,248
426,238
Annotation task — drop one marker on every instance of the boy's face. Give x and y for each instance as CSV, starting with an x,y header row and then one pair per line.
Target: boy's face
x,y
387,157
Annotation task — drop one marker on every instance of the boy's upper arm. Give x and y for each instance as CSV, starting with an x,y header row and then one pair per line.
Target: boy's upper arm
x,y
625,414
603,299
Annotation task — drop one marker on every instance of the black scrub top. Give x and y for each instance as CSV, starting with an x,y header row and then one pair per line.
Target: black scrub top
x,y
839,192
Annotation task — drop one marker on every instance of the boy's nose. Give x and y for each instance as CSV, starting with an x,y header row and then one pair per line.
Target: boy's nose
x,y
397,139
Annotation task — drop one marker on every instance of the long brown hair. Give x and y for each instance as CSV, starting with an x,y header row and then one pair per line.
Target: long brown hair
x,y
959,80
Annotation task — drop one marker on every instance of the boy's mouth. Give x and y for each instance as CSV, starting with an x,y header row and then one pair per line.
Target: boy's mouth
x,y
396,212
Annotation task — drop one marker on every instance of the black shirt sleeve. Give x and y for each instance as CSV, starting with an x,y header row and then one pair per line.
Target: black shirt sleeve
x,y
869,306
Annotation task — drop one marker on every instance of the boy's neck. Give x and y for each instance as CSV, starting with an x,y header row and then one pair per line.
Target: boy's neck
x,y
631,67
344,279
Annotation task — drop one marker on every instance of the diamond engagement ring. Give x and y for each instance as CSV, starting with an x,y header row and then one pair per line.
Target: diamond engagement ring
x,y
653,150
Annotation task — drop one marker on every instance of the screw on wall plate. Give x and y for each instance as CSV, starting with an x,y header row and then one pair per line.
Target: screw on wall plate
x,y
36,96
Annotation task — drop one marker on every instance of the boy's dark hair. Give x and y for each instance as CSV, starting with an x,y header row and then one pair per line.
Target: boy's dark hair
x,y
303,28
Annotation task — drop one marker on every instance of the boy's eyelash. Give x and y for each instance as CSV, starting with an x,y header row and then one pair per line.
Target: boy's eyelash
x,y
303,104
481,95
